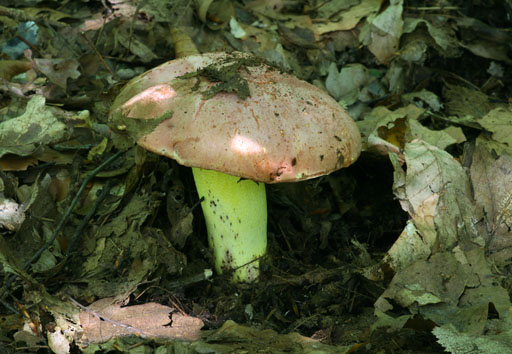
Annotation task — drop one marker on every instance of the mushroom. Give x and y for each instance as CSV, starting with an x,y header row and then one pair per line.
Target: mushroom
x,y
239,123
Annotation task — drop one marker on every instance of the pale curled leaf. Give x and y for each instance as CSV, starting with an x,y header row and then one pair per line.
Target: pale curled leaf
x,y
414,243
384,128
346,84
439,138
431,170
428,97
442,34
492,184
386,30
435,191
57,341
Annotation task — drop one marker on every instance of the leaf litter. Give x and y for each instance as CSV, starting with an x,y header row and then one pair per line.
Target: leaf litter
x,y
411,243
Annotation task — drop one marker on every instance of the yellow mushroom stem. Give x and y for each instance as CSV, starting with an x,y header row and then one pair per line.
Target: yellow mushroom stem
x,y
235,211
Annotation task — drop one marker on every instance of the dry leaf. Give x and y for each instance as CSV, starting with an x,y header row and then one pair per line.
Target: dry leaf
x,y
149,320
492,184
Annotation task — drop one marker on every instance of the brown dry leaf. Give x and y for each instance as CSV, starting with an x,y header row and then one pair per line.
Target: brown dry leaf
x,y
16,163
149,320
59,70
299,36
10,68
95,22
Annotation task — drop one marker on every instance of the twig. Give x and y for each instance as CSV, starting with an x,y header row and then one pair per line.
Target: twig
x,y
100,57
134,18
71,207
90,214
187,281
19,271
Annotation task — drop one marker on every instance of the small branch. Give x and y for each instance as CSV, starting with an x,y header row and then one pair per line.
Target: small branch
x,y
90,214
71,207
100,57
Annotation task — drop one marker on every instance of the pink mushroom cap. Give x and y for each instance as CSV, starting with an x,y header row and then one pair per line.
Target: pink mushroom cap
x,y
286,130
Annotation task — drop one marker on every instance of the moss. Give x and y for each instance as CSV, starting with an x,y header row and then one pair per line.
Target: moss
x,y
126,132
226,74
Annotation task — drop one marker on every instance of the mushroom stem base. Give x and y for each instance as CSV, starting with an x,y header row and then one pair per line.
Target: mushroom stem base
x,y
235,213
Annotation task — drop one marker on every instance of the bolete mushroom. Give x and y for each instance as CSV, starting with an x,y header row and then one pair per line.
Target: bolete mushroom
x,y
239,123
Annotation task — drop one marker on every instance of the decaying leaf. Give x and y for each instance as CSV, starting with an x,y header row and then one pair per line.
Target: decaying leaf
x,y
348,19
491,178
386,129
385,32
419,78
454,287
458,342
11,68
436,193
467,104
499,123
251,340
59,71
16,163
38,125
442,35
430,98
345,85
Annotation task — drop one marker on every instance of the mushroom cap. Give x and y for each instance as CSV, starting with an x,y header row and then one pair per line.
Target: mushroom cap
x,y
286,130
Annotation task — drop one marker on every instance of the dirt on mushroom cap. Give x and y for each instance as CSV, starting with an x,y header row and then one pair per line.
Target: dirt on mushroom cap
x,y
286,130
